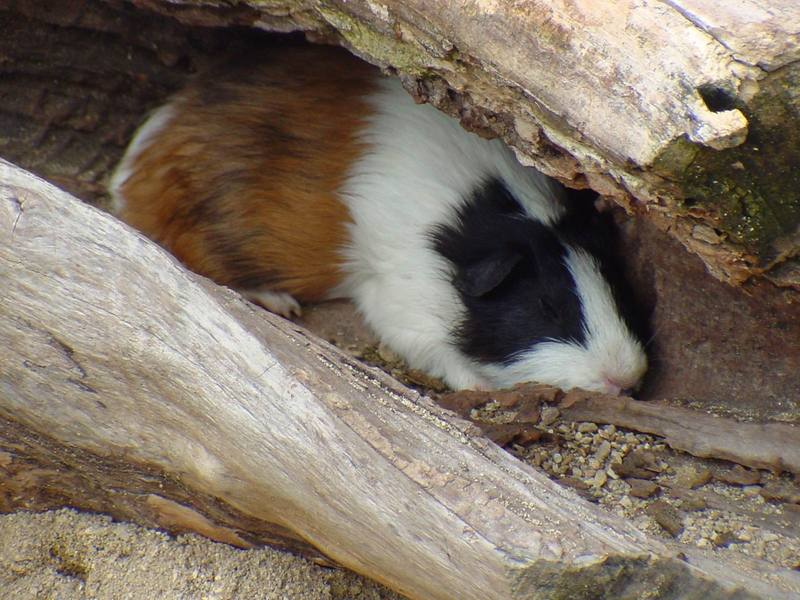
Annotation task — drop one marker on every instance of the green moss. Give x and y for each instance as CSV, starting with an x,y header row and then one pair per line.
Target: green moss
x,y
752,192
403,56
677,158
618,578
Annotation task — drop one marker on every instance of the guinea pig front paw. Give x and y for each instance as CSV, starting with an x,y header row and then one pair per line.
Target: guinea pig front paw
x,y
461,378
281,303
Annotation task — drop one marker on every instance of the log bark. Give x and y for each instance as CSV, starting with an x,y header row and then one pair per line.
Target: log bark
x,y
684,111
124,376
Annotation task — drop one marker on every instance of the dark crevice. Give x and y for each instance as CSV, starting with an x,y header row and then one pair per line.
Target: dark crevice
x,y
716,98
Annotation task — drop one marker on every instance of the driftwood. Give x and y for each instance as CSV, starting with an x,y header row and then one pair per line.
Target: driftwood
x,y
685,111
134,387
773,446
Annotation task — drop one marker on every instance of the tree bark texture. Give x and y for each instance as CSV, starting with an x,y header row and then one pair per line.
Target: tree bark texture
x,y
126,379
686,111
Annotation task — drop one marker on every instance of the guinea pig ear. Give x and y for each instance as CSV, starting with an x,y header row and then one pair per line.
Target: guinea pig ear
x,y
480,278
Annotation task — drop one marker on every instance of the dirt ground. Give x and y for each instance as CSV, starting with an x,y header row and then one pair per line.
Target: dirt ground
x,y
67,555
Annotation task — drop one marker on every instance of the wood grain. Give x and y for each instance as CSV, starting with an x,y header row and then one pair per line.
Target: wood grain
x,y
664,106
774,446
114,354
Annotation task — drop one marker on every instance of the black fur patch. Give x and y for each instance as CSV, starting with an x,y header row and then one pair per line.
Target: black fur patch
x,y
595,232
510,273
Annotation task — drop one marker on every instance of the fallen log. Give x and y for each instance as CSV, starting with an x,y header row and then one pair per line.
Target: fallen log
x,y
684,111
773,446
131,385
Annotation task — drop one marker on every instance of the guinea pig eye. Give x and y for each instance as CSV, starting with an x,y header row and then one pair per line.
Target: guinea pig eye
x,y
549,310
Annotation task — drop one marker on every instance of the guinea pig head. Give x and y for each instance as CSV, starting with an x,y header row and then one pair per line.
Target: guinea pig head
x,y
538,306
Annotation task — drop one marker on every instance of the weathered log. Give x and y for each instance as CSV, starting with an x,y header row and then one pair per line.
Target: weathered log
x,y
773,446
83,73
121,369
685,111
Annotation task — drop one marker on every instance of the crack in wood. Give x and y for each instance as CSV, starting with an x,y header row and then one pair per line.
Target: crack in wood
x,y
68,353
17,206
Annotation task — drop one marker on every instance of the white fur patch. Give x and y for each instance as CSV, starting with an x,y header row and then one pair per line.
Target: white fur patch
x,y
610,360
419,168
141,140
281,303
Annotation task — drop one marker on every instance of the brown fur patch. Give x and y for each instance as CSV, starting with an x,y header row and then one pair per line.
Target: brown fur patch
x,y
241,185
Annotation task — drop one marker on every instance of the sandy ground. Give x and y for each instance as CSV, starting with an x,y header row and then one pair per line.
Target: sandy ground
x,y
67,555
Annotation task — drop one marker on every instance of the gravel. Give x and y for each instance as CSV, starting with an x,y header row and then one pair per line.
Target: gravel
x,y
704,503
67,555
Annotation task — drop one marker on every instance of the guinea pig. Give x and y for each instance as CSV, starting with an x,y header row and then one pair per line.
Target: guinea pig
x,y
302,175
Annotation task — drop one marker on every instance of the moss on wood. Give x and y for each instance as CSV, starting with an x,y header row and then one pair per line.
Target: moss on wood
x,y
751,192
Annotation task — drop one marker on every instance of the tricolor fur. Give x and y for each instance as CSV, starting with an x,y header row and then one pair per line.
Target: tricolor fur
x,y
306,176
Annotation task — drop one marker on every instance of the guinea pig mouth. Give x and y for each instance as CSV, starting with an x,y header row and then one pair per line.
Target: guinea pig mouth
x,y
625,386
617,388
570,365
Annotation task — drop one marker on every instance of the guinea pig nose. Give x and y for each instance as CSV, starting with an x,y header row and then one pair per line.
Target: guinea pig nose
x,y
612,387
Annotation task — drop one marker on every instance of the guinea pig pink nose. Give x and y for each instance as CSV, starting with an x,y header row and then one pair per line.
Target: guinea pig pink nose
x,y
616,387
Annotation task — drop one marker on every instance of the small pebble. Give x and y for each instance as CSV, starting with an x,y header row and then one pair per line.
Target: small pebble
x,y
640,464
388,355
693,503
600,479
574,483
603,451
549,415
725,538
641,488
738,475
691,476
667,516
744,536
587,427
